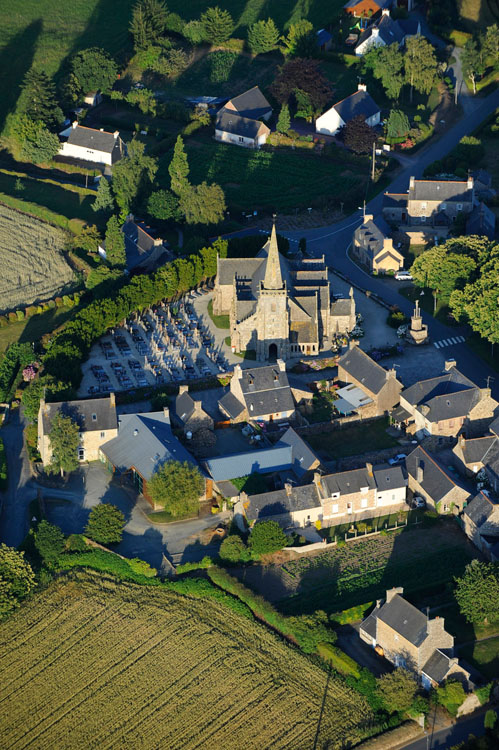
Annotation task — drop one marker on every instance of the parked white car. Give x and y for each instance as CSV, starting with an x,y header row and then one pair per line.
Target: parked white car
x,y
397,459
403,276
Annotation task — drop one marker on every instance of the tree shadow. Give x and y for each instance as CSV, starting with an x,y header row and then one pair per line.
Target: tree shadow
x,y
16,58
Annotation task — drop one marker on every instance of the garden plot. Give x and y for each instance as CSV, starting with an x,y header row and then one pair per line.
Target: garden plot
x,y
31,256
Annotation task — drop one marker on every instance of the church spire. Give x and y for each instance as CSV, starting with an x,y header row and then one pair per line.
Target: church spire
x,y
273,275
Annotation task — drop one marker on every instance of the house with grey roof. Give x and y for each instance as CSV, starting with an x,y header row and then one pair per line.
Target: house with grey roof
x,y
380,385
447,405
259,393
89,144
188,413
143,444
481,221
242,120
385,30
144,252
430,203
374,248
96,419
360,103
408,638
481,523
437,484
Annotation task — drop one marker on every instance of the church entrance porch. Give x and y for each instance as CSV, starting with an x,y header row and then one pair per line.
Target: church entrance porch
x,y
272,353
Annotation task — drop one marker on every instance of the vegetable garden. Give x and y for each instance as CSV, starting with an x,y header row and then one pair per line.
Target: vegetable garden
x,y
93,663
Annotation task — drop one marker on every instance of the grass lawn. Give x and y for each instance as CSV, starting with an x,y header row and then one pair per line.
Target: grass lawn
x,y
34,328
253,484
483,655
348,441
246,354
462,630
426,302
484,350
221,321
242,73
477,14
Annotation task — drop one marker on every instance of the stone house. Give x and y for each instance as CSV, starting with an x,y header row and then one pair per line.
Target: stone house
x,y
358,103
259,393
240,120
481,524
385,31
429,479
143,251
88,144
380,385
482,221
431,203
374,249
411,640
188,413
96,419
446,405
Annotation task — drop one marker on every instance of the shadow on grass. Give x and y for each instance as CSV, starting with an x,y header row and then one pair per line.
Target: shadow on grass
x,y
17,57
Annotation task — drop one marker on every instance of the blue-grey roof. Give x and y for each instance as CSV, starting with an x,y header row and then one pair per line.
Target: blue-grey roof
x,y
251,103
437,666
302,456
482,221
140,247
358,103
323,37
282,503
257,461
145,442
379,3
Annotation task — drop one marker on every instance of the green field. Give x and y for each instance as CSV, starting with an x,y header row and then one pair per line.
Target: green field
x,y
94,663
484,656
351,440
244,74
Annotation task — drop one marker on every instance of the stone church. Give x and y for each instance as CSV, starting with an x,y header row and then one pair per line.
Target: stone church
x,y
277,308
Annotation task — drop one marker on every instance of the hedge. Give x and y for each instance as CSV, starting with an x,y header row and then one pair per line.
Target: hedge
x,y
339,661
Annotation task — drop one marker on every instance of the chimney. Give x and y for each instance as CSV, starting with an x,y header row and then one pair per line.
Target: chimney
x,y
393,592
183,389
375,31
74,124
367,217
435,627
362,87
101,130
420,473
385,12
237,372
157,241
198,406
317,481
166,412
449,364
388,243
462,440
391,374
243,497
288,488
369,468
353,343
116,134
470,182
112,400
411,183
281,364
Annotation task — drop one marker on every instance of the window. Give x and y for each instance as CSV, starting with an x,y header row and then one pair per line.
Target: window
x,y
443,206
364,502
335,508
103,434
424,205
364,489
81,454
393,497
349,507
94,417
241,139
459,206
423,219
446,508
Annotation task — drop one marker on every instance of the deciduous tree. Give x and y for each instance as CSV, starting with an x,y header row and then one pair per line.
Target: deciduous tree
x,y
387,64
64,441
397,690
132,174
163,205
105,524
421,64
17,579
203,204
472,62
263,36
442,271
477,592
176,486
37,144
267,536
93,69
49,541
305,75
358,136
218,25
233,549
300,41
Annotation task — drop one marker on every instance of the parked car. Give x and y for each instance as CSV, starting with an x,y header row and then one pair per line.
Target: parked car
x,y
403,276
397,459
419,502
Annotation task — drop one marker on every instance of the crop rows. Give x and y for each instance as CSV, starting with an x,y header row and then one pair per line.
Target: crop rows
x,y
31,258
123,666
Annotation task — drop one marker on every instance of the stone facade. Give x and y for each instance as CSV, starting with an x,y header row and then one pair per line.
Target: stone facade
x,y
380,385
434,203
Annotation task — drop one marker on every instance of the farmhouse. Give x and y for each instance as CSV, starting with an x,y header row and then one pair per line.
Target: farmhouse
x,y
143,444
374,248
380,385
240,120
385,31
96,419
261,393
435,203
358,103
440,488
88,144
276,309
188,413
409,639
143,251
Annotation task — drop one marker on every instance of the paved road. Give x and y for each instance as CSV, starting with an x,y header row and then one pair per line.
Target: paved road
x,y
451,736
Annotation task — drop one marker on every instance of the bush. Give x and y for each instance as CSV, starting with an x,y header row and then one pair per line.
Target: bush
x,y
77,543
187,567
50,542
397,690
105,562
267,536
396,318
483,693
340,661
141,567
451,695
20,314
233,549
105,524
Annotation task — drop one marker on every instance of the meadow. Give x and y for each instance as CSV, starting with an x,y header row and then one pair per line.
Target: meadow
x,y
34,267
90,662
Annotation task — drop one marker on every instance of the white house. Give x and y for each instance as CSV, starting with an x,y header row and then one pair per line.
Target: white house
x,y
385,31
240,120
92,99
391,485
358,103
88,144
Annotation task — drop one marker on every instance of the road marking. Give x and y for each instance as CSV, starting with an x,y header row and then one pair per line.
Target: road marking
x,y
449,342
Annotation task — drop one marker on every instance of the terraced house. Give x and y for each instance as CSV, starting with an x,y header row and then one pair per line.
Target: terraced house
x,y
374,249
434,203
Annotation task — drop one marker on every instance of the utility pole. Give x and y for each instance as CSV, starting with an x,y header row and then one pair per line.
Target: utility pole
x,y
374,160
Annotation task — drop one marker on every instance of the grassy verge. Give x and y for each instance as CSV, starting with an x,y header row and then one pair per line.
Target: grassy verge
x,y
246,354
483,655
484,350
351,440
32,329
221,321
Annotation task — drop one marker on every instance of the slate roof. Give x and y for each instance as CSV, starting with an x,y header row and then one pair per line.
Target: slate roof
x,y
140,247
362,368
98,140
480,508
481,221
437,483
184,407
93,414
441,190
370,237
476,449
251,104
341,307
494,426
348,482
231,122
481,175
266,390
146,442
358,103
230,405
369,625
389,477
257,461
404,618
302,456
437,666
281,502
394,200
447,396
389,31
379,3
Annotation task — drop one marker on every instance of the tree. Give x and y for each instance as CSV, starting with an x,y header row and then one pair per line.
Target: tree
x,y
144,99
38,100
179,169
398,124
490,43
358,136
176,486
31,399
490,719
163,205
267,536
301,40
104,200
149,23
421,64
92,70
115,244
131,175
17,579
218,25
472,62
37,144
203,204
304,106
312,629
102,280
397,690
305,75
64,441
284,120
451,695
105,524
194,32
477,592
442,271
386,63
50,542
234,550
263,36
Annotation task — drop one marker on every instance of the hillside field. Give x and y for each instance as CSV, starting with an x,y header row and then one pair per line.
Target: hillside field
x,y
33,266
90,662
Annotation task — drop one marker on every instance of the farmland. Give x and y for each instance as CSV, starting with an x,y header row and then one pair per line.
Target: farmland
x,y
33,266
95,664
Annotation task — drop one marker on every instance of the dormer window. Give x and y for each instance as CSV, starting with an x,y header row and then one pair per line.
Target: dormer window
x,y
94,417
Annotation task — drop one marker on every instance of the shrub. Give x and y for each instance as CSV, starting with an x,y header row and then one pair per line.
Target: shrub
x,y
3,321
58,302
451,695
141,567
483,693
77,543
396,318
397,690
187,567
233,549
12,317
340,661
20,314
105,524
50,542
267,536
16,578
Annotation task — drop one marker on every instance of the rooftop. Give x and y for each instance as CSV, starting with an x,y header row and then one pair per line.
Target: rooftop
x,y
359,365
93,414
98,140
231,122
251,104
436,482
358,103
440,190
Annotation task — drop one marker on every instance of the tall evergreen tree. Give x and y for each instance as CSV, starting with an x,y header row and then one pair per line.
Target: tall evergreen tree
x,y
179,169
131,175
38,99
263,36
284,120
218,25
104,200
149,23
115,244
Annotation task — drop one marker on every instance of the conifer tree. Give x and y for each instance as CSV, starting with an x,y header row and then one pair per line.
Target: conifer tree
x,y
179,169
284,120
115,244
38,99
104,198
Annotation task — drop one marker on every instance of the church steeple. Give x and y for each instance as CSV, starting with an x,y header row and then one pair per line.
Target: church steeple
x,y
273,275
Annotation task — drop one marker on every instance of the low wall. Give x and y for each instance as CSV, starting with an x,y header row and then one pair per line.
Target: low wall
x,y
394,738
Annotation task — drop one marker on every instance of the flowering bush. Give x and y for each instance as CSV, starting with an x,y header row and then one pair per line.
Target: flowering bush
x,y
29,373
